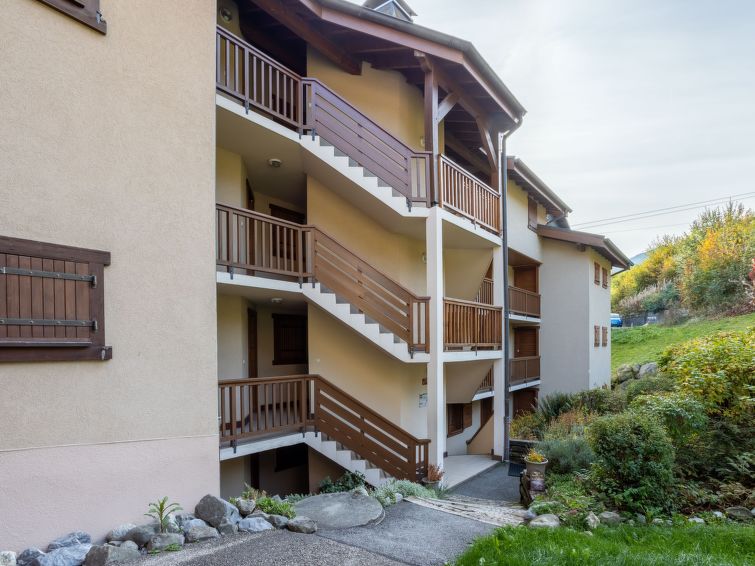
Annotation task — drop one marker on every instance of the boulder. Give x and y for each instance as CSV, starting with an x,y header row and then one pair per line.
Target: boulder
x,y
227,529
277,498
171,525
752,511
129,544
245,506
361,490
547,521
254,525
738,513
201,532
141,534
641,519
119,532
28,556
698,520
278,521
108,554
71,539
624,373
529,515
397,497
592,521
259,513
214,511
7,558
718,515
183,518
609,518
648,370
161,541
188,525
73,555
302,525
659,521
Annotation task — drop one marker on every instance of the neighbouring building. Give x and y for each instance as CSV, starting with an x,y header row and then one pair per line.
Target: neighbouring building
x,y
262,241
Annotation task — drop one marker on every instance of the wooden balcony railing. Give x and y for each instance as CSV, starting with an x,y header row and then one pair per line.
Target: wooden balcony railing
x,y
463,193
485,293
251,243
487,382
525,368
253,408
524,302
471,325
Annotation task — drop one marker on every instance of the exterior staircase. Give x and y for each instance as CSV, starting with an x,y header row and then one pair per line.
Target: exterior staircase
x,y
348,459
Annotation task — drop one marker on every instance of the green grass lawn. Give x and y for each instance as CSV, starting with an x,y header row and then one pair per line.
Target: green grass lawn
x,y
645,343
698,545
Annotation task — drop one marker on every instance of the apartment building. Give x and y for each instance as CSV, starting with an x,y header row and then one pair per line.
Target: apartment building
x,y
289,213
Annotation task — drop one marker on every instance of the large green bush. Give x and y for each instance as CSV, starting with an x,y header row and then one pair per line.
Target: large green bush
x,y
634,461
567,456
683,416
647,386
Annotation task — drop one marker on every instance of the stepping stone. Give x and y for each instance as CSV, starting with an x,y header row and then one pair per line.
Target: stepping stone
x,y
341,510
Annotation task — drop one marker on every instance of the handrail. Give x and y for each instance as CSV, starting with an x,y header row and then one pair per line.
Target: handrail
x,y
485,292
523,301
463,193
253,242
469,324
250,408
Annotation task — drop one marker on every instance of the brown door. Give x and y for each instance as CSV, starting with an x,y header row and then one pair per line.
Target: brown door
x,y
525,342
525,277
252,342
524,400
486,409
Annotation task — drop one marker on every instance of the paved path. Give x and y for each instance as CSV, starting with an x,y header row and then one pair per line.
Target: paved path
x,y
494,484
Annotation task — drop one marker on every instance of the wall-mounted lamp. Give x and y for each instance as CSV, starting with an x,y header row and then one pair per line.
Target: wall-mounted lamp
x,y
274,162
226,15
276,300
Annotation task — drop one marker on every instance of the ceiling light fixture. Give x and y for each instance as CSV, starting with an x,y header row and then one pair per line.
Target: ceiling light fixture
x,y
274,162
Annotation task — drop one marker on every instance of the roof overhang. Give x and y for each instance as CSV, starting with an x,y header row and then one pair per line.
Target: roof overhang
x,y
600,244
523,176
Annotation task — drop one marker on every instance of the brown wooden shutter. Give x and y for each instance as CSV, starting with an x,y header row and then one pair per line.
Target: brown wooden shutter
x,y
289,339
605,336
532,214
597,273
605,278
596,335
467,415
454,418
86,11
51,302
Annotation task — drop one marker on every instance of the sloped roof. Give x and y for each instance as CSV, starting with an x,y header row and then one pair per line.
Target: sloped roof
x,y
599,243
523,176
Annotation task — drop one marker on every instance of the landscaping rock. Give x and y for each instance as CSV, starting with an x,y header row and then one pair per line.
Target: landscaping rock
x,y
659,521
592,521
641,519
361,490
341,510
7,558
254,525
129,544
610,518
172,525
738,513
245,506
718,515
119,532
214,511
698,520
73,555
547,521
277,498
108,554
302,525
188,525
398,498
227,529
529,515
161,541
71,539
183,518
259,513
28,556
648,370
201,532
624,373
278,521
141,534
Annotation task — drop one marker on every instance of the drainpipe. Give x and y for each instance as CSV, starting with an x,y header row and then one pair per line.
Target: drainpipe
x,y
504,176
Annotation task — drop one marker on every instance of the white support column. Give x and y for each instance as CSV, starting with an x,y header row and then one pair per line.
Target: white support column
x,y
436,390
499,381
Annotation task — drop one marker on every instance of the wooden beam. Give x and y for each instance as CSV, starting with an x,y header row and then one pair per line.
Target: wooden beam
x,y
431,127
306,31
475,159
447,105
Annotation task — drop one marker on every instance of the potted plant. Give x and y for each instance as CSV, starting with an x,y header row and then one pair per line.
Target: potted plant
x,y
536,462
434,476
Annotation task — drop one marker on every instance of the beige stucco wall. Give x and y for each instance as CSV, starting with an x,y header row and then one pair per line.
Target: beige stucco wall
x,y
384,384
600,314
463,271
107,141
234,473
483,442
520,237
230,178
396,255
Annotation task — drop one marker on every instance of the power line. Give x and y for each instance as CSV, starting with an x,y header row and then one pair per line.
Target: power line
x,y
667,210
647,228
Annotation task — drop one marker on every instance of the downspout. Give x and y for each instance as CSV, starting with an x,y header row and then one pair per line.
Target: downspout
x,y
504,176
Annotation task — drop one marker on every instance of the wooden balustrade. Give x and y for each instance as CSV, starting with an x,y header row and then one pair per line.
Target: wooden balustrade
x,y
524,302
340,124
463,193
524,368
487,382
471,325
485,292
253,408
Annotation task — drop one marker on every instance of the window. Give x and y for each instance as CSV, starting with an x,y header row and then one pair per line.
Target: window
x,y
596,335
605,336
597,273
531,214
51,302
459,417
604,271
86,11
289,339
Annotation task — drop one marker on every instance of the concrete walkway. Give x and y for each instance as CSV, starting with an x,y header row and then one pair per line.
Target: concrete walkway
x,y
459,469
494,484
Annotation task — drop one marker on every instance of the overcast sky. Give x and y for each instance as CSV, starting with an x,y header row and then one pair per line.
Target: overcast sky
x,y
631,105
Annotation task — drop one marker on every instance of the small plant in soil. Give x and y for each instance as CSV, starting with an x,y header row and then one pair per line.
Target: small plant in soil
x,y
160,510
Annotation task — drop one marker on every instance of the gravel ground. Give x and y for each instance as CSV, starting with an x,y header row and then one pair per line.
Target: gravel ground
x,y
277,548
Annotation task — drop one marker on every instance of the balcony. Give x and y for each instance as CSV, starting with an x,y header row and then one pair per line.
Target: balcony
x,y
471,326
524,369
523,302
260,83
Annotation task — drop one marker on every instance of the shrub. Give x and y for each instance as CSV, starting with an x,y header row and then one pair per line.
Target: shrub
x,y
385,493
600,401
568,455
682,415
347,482
252,493
634,461
568,425
718,370
552,405
647,386
275,507
525,427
